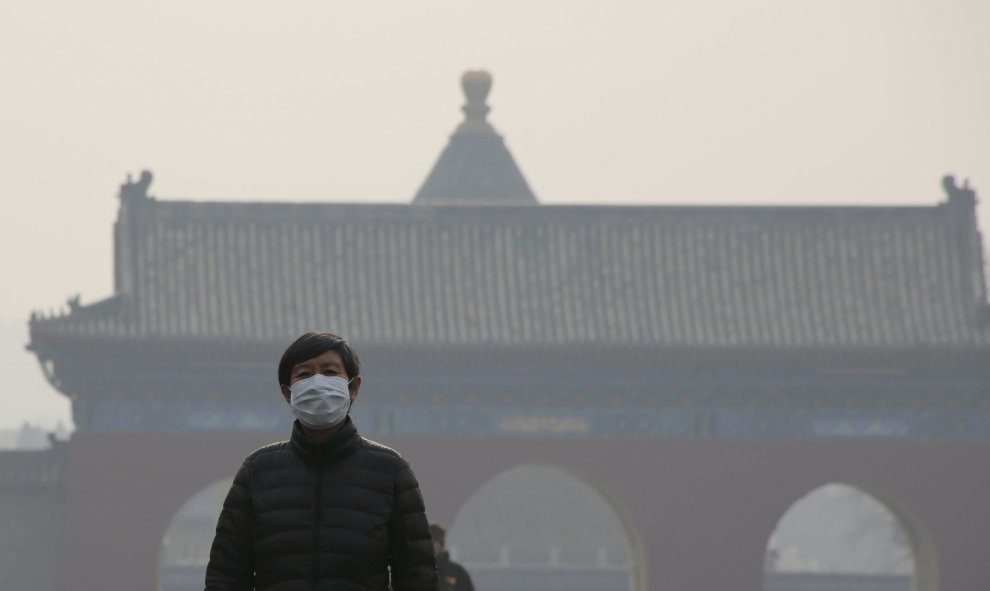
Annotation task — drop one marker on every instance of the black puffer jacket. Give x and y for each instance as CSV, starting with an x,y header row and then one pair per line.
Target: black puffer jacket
x,y
331,516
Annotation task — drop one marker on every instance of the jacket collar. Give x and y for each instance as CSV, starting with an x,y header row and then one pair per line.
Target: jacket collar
x,y
336,446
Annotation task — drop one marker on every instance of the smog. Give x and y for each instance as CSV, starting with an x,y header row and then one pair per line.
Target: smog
x,y
580,296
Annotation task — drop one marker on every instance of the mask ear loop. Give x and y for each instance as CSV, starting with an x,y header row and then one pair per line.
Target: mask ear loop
x,y
350,402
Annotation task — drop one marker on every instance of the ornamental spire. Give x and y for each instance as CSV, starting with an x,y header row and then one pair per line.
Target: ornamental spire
x,y
475,167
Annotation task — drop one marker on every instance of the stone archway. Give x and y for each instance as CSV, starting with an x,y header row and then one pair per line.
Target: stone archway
x,y
185,548
850,535
534,524
694,504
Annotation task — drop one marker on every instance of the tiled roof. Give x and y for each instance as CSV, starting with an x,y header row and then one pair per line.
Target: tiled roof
x,y
687,277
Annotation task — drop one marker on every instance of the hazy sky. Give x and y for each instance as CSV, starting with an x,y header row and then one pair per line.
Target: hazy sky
x,y
682,101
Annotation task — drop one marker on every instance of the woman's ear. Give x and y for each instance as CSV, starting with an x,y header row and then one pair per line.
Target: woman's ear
x,y
286,393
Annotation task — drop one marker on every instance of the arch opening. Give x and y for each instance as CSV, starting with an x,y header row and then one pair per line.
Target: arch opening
x,y
840,536
538,526
185,545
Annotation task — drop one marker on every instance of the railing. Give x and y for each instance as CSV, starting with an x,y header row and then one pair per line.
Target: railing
x,y
564,577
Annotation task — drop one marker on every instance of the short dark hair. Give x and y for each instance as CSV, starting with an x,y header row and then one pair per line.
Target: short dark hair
x,y
437,533
314,344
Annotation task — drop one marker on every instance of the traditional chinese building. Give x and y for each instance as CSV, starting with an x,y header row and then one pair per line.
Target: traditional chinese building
x,y
844,344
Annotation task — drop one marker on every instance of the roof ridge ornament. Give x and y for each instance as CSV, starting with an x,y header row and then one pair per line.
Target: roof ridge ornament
x,y
963,194
476,85
475,167
961,209
131,190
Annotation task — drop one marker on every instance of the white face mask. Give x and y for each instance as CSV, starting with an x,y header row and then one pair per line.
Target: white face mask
x,y
320,402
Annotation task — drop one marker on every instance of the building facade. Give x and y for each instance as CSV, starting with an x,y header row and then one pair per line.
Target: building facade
x,y
840,343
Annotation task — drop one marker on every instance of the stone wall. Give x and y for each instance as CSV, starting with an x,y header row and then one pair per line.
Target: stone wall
x,y
32,517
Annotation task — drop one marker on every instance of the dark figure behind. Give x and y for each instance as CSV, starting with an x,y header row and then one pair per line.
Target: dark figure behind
x,y
452,575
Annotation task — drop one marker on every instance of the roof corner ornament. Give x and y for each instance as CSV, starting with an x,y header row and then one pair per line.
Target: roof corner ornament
x,y
136,190
476,85
963,195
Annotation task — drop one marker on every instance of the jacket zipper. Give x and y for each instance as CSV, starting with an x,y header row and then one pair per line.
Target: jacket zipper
x,y
316,524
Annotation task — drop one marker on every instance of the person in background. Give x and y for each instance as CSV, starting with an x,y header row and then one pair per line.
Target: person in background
x,y
327,509
452,575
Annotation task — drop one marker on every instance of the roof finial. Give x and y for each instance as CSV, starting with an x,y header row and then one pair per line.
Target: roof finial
x,y
476,84
957,194
136,190
475,167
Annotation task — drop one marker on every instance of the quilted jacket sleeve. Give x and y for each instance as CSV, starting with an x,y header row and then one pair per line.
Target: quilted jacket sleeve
x,y
411,559
231,566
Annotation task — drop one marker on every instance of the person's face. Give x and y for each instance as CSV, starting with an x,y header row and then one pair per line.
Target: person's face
x,y
328,364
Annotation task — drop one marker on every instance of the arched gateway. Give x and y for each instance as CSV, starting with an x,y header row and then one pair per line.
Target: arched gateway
x,y
701,510
704,366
